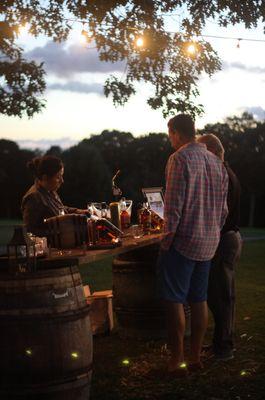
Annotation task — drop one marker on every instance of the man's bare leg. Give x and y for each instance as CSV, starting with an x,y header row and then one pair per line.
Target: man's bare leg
x,y
199,322
176,328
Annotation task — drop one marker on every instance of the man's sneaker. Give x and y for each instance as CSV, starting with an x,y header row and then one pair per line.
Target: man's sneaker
x,y
195,367
207,351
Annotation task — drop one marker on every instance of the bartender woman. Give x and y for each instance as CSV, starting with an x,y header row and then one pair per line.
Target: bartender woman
x,y
42,200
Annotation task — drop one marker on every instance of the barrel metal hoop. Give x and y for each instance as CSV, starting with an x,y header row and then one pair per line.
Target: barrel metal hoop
x,y
81,378
65,316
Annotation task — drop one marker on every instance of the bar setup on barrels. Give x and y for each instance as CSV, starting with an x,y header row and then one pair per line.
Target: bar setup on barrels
x,y
45,316
46,336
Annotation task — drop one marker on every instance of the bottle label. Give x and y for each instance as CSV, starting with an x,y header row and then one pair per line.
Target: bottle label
x,y
125,220
147,224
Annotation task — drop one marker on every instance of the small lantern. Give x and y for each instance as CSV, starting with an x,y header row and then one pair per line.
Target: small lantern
x,y
21,251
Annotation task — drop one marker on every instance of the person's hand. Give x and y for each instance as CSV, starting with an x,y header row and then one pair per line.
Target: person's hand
x,y
80,211
166,241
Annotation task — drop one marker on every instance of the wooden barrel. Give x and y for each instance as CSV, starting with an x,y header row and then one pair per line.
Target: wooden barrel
x,y
67,231
46,340
139,311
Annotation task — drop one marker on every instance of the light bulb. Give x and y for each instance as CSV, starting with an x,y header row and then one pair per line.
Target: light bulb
x,y
139,42
86,37
23,29
192,49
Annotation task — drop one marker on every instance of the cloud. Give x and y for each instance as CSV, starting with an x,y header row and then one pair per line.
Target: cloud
x,y
257,112
66,61
79,87
243,67
45,144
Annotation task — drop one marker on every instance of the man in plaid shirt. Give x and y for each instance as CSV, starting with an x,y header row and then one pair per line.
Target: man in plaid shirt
x,y
195,211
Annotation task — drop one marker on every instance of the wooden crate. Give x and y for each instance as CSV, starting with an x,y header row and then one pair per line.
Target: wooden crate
x,y
101,314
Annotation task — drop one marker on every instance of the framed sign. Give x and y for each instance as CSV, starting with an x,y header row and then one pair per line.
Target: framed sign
x,y
155,198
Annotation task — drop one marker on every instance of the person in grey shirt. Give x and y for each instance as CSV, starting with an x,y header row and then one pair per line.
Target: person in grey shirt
x,y
221,287
42,200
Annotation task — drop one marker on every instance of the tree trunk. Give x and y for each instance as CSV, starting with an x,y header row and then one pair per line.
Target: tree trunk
x,y
251,210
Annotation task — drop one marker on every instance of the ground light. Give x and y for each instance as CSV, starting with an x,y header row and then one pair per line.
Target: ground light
x,y
28,352
244,373
183,365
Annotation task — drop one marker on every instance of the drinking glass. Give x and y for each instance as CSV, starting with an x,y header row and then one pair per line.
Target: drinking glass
x,y
137,231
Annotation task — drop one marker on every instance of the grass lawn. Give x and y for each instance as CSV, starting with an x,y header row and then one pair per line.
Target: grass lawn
x,y
242,378
252,232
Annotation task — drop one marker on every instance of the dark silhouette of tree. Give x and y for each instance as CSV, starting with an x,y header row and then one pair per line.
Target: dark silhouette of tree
x,y
113,146
14,177
86,176
54,151
141,160
162,61
244,142
90,165
146,162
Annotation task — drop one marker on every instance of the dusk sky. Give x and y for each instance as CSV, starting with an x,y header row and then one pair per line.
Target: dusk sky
x,y
76,106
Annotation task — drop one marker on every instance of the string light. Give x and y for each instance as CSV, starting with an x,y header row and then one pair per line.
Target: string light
x,y
23,29
86,36
203,36
125,362
83,37
232,38
139,42
192,49
238,43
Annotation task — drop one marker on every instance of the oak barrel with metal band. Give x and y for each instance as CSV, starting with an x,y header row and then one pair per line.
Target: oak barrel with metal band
x,y
46,340
67,231
139,311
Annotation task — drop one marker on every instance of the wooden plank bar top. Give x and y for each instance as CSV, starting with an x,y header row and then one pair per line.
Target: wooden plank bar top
x,y
79,256
71,257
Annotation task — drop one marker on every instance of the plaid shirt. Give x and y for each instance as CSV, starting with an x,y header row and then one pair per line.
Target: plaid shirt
x,y
195,201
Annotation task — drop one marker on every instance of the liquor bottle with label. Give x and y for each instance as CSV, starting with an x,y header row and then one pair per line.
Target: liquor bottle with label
x,y
146,219
140,209
157,222
125,217
115,214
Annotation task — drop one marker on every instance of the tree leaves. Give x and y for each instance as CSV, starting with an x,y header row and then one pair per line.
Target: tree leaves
x,y
23,83
162,61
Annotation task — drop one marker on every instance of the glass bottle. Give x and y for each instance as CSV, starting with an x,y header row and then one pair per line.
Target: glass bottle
x,y
115,214
125,217
146,219
140,209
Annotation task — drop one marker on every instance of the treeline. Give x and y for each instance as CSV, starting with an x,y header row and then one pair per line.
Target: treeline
x,y
90,165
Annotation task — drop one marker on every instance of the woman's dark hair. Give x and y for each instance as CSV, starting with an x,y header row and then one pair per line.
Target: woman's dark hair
x,y
46,165
184,124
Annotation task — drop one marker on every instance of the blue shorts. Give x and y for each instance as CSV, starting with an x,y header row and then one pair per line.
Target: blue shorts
x,y
180,279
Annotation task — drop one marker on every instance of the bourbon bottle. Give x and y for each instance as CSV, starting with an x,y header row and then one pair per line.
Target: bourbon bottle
x,y
146,219
125,217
